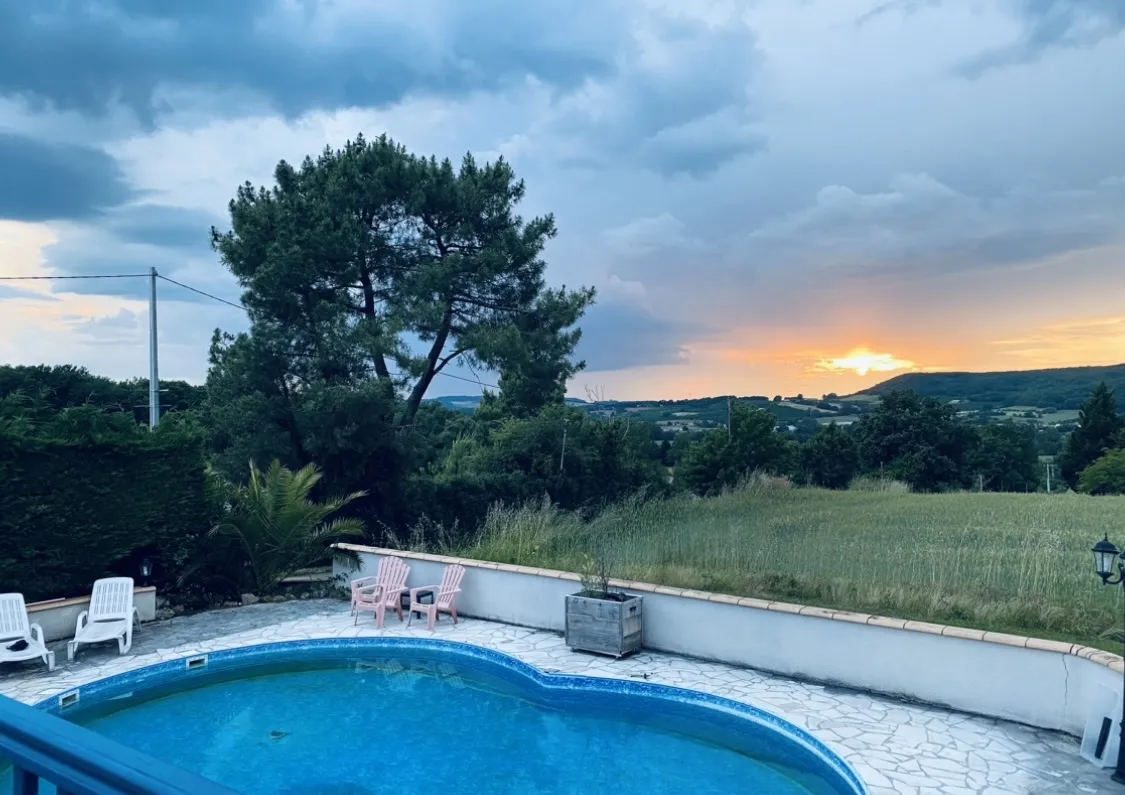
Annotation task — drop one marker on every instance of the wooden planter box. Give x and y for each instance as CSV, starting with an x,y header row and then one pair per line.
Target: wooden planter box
x,y
605,626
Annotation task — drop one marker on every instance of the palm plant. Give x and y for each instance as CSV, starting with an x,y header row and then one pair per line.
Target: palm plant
x,y
282,530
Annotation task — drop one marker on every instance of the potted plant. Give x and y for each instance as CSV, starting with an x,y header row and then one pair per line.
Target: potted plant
x,y
599,619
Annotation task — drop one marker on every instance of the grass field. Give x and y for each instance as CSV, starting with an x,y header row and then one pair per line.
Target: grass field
x,y
1049,418
1005,562
805,408
841,419
1065,415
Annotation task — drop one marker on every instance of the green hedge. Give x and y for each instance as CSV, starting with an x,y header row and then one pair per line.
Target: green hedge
x,y
71,512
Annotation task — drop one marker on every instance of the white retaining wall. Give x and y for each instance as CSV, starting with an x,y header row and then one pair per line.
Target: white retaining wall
x,y
1048,684
59,617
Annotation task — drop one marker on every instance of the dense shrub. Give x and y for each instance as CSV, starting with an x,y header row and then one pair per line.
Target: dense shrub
x,y
75,510
580,461
724,459
1106,475
877,484
458,505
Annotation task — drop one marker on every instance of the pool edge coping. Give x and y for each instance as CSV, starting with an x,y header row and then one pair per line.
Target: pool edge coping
x,y
558,681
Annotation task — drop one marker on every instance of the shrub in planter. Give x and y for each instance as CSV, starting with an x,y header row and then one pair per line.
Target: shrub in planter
x,y
602,620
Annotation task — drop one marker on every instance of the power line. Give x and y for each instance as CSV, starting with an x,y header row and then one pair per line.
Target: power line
x,y
89,276
476,381
475,376
200,292
467,380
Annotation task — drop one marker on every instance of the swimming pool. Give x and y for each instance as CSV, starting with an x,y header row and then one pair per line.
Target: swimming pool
x,y
380,715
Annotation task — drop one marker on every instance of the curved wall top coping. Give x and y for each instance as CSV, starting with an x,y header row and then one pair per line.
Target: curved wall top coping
x,y
50,604
1113,661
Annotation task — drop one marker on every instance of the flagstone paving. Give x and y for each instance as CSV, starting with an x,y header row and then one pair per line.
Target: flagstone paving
x,y
898,748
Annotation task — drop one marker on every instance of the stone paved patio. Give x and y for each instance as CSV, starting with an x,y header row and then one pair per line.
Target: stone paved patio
x,y
898,748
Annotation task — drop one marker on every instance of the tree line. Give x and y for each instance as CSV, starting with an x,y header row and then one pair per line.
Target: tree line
x,y
918,440
367,272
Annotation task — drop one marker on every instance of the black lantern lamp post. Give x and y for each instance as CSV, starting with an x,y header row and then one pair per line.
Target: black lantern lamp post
x,y
146,571
1105,555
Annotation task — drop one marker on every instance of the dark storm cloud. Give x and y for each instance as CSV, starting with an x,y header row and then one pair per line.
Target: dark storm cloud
x,y
920,228
700,156
94,253
680,102
131,239
137,289
166,292
75,257
41,181
1046,25
163,225
110,330
916,230
906,7
85,56
11,291
618,335
1009,249
1052,24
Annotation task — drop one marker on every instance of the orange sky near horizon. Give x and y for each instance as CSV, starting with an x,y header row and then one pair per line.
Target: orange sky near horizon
x,y
754,360
870,343
1061,311
847,369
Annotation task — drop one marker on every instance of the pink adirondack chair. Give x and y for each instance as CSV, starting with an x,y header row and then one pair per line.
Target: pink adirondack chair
x,y
443,596
358,584
387,592
362,584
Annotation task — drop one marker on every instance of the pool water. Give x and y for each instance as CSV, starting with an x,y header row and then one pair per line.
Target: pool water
x,y
402,725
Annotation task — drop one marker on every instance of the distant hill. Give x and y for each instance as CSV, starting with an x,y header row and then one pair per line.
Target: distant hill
x,y
1062,388
465,403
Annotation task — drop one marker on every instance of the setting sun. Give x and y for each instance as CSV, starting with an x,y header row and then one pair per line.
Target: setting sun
x,y
862,361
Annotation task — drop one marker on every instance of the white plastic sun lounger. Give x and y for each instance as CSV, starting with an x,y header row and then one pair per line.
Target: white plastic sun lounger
x,y
110,617
20,640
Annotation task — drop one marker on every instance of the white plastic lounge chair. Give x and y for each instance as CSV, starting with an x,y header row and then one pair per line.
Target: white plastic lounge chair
x,y
110,617
18,632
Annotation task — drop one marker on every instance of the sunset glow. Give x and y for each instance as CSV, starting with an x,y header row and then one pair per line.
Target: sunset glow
x,y
862,361
966,213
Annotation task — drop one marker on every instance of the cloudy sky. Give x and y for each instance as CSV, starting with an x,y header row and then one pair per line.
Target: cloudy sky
x,y
770,195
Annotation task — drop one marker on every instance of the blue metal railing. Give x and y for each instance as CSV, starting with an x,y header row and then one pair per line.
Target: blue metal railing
x,y
42,747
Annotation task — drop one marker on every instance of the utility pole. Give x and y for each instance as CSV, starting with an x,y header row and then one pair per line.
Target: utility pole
x,y
562,453
153,377
1048,477
730,411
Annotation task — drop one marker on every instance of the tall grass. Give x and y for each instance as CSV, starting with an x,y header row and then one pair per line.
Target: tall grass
x,y
1005,562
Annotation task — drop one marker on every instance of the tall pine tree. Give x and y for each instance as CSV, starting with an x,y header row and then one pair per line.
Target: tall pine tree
x,y
351,262
1098,425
